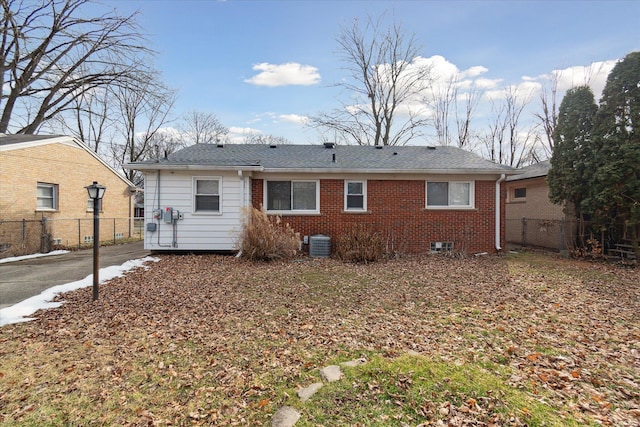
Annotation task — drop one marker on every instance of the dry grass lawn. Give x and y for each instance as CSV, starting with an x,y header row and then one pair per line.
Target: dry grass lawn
x,y
210,340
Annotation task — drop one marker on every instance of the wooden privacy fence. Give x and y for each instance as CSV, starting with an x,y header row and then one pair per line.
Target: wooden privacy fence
x,y
22,237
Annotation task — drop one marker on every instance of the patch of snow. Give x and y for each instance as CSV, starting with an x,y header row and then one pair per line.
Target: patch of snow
x,y
38,255
19,312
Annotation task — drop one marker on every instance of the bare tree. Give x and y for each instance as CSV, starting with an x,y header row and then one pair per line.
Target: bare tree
x,y
452,112
144,114
507,142
385,82
203,128
51,54
90,118
548,117
257,138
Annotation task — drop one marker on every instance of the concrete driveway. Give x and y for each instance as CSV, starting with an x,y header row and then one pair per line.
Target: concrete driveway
x,y
20,280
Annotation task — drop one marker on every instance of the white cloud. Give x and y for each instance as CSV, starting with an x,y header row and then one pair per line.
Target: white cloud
x,y
294,118
290,73
594,75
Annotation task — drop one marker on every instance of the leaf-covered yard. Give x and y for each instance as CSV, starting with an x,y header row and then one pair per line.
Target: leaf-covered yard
x,y
211,340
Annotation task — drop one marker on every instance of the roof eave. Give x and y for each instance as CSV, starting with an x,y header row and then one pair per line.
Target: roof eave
x,y
173,166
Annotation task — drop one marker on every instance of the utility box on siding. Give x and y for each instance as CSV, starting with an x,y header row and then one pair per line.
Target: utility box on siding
x,y
319,246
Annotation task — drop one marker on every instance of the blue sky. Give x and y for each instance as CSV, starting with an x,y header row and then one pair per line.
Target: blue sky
x,y
211,51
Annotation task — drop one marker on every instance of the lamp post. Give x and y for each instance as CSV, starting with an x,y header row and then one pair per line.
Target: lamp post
x,y
96,192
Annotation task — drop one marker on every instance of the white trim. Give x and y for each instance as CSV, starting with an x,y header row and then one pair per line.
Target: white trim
x,y
292,211
364,195
194,188
497,223
55,197
65,140
472,198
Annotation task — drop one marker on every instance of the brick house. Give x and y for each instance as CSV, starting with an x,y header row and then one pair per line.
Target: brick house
x,y
420,198
532,219
43,177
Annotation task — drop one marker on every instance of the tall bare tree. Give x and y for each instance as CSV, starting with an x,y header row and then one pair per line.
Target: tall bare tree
x,y
507,141
203,128
452,112
51,54
548,116
383,106
144,115
91,119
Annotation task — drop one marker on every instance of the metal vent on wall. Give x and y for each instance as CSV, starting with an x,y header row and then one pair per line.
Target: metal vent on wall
x,y
319,246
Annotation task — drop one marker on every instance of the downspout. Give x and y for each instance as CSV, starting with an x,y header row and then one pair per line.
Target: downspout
x,y
498,225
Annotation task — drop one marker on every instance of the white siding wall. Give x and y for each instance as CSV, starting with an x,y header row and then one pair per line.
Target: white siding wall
x,y
197,231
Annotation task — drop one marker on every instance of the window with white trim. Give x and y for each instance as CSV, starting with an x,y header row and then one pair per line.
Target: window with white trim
x,y
292,196
207,194
355,195
450,194
47,196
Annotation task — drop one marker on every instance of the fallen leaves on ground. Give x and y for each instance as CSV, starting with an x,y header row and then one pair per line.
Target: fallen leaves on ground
x,y
207,339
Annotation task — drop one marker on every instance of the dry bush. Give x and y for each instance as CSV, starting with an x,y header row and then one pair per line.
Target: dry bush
x,y
360,244
265,238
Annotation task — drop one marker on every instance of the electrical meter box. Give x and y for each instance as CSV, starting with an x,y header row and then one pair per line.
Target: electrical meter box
x,y
168,215
157,213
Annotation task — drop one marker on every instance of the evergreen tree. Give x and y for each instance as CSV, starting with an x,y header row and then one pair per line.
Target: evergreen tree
x,y
615,187
569,174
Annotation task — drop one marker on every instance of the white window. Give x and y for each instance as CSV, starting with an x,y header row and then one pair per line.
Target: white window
x,y
292,196
450,195
355,195
47,196
207,194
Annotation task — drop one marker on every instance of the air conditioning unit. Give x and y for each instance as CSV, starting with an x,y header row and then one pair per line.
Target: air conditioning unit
x,y
320,246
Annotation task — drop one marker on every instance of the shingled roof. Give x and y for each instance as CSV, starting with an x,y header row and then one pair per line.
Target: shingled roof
x,y
535,170
326,158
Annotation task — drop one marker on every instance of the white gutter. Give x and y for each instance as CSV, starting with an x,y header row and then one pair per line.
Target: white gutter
x,y
502,178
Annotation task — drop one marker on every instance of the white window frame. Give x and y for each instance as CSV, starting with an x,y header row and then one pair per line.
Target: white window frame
x,y
364,195
265,197
195,194
472,193
54,196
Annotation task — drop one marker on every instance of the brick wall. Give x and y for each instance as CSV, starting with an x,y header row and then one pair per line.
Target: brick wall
x,y
397,209
536,204
71,168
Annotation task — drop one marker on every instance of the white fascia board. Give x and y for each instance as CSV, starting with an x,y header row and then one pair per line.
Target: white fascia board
x,y
389,171
160,166
39,142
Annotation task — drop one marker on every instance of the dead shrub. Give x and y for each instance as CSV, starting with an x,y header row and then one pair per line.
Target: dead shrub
x,y
266,238
360,244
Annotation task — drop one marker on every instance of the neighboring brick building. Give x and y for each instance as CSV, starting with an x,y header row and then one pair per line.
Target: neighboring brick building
x,y
420,198
532,219
44,177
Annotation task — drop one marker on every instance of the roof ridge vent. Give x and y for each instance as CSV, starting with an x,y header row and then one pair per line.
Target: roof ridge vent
x,y
431,147
329,145
378,147
273,146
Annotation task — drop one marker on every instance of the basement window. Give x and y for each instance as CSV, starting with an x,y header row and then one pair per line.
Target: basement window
x,y
441,246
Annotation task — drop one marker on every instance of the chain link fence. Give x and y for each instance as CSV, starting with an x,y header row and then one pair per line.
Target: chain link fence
x,y
542,233
23,237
